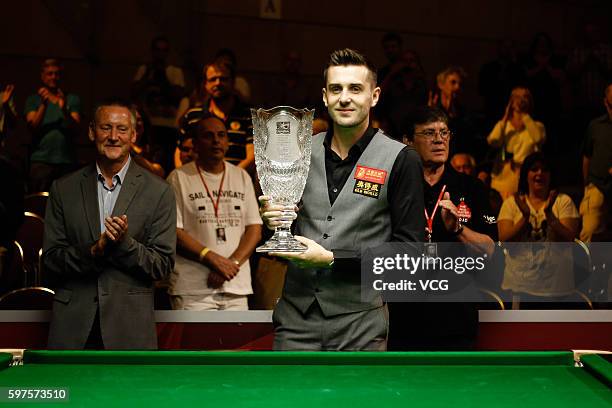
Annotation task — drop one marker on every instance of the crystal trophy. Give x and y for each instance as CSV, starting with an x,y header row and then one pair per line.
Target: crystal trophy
x,y
283,142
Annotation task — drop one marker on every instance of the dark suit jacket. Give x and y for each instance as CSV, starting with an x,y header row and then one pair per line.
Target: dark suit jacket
x,y
121,282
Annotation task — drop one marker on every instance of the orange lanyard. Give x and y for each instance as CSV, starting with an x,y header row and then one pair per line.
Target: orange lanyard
x,y
215,204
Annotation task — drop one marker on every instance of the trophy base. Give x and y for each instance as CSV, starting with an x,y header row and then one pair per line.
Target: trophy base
x,y
282,242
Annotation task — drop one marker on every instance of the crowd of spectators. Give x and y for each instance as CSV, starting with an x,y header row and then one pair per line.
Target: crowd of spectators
x,y
541,110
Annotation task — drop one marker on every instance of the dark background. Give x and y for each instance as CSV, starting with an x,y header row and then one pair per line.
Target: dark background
x,y
101,43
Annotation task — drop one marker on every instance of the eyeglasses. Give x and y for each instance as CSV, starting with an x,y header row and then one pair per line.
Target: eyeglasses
x,y
444,134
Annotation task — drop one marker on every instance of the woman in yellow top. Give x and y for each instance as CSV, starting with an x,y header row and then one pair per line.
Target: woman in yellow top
x,y
517,135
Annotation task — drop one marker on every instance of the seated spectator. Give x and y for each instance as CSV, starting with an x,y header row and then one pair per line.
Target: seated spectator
x,y
516,136
218,224
185,152
464,163
158,87
141,150
597,173
52,117
537,213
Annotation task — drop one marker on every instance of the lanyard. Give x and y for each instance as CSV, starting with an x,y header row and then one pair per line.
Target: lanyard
x,y
215,205
433,213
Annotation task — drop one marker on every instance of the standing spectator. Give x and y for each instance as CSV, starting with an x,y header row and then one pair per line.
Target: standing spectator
x,y
447,95
241,85
597,173
463,217
158,88
218,97
103,272
218,225
516,136
225,104
52,116
448,98
537,213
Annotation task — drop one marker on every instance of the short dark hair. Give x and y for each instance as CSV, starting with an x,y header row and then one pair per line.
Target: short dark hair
x,y
392,36
528,163
219,65
422,115
188,124
112,101
348,56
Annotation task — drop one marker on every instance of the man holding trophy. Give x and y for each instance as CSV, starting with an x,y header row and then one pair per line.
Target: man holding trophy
x,y
362,189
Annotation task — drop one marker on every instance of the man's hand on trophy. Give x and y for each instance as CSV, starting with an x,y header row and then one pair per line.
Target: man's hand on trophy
x,y
274,215
314,257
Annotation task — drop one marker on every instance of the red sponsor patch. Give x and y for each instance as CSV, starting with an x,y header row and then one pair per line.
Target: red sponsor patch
x,y
464,212
370,174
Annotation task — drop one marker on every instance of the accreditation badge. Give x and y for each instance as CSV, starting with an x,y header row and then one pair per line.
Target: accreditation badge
x,y
221,237
431,252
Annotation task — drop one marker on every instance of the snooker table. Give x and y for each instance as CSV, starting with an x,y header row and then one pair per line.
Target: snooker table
x,y
313,379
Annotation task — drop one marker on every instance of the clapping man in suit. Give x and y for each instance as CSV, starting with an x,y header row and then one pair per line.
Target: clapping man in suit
x,y
110,232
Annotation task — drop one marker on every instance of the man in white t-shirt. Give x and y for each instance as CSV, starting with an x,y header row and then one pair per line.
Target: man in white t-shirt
x,y
218,225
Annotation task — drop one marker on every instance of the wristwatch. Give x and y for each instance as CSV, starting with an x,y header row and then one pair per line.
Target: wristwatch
x,y
458,231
